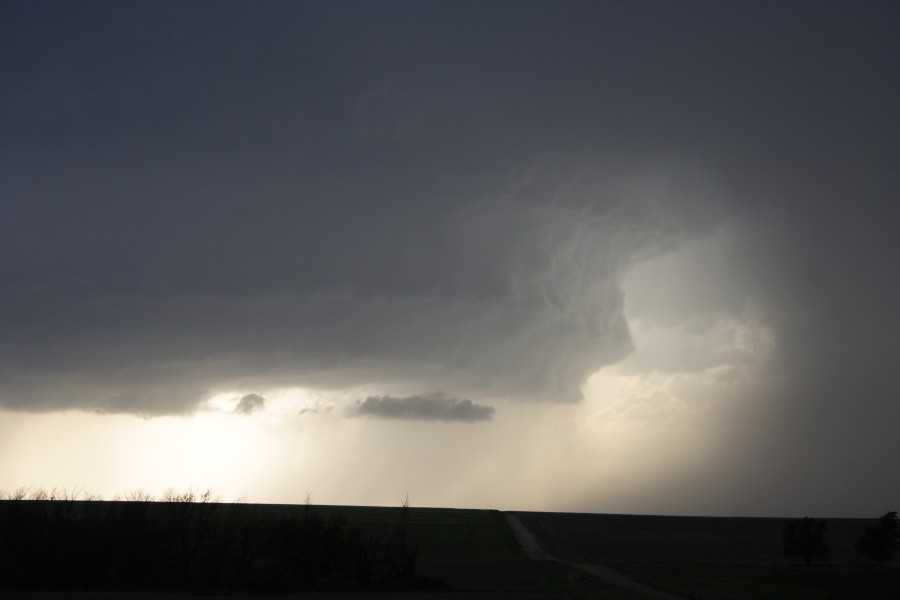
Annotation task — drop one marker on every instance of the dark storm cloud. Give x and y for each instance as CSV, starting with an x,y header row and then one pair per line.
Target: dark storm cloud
x,y
250,404
434,406
205,197
378,249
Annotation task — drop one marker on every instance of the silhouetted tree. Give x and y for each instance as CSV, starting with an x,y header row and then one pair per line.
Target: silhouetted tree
x,y
878,542
806,538
404,551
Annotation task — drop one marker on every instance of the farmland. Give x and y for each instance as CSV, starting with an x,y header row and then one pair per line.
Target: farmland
x,y
586,537
352,551
161,548
438,533
707,558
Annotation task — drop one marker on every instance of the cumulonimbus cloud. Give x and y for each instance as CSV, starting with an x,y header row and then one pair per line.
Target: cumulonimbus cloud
x,y
515,295
464,229
434,406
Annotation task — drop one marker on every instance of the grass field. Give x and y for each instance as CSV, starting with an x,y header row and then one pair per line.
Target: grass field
x,y
445,533
458,552
708,558
467,553
601,538
437,532
710,580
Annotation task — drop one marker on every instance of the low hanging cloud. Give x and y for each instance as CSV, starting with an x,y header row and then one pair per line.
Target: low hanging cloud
x,y
315,409
250,404
435,406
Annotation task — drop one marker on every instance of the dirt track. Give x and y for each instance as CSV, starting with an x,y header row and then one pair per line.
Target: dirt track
x,y
534,550
526,539
602,538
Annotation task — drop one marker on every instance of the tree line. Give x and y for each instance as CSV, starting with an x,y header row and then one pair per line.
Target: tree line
x,y
805,538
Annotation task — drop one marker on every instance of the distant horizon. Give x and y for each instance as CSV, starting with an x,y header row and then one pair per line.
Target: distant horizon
x,y
7,496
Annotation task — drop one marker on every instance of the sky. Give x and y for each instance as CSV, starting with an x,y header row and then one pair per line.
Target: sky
x,y
623,257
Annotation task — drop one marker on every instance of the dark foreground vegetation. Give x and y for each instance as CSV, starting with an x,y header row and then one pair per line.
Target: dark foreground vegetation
x,y
187,543
190,542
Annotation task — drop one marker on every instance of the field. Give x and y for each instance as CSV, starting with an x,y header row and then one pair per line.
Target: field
x,y
597,538
467,551
167,548
712,580
438,533
706,558
457,553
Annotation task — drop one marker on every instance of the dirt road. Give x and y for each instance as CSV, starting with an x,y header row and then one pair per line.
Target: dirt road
x,y
533,549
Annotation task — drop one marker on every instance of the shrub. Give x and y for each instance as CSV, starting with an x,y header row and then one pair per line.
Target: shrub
x,y
806,538
878,542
